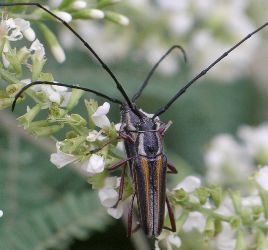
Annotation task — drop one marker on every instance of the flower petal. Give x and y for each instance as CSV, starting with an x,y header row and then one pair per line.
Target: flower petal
x,y
262,178
116,212
61,159
189,184
108,197
94,165
102,110
101,121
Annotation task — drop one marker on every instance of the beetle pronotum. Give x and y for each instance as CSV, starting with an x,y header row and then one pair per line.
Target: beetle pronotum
x,y
142,137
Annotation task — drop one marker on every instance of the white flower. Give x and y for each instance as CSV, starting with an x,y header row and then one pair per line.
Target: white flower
x,y
25,28
9,30
189,184
195,220
120,146
61,159
227,161
226,208
117,211
117,126
1,213
111,182
108,197
226,239
168,240
99,117
94,165
251,201
261,178
55,3
95,135
256,140
58,53
38,49
57,94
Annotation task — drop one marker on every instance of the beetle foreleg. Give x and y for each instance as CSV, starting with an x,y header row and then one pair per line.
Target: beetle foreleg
x,y
126,137
119,164
171,218
121,187
104,145
130,214
171,169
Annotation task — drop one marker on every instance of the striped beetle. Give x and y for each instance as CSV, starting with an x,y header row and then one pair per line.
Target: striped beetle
x,y
143,139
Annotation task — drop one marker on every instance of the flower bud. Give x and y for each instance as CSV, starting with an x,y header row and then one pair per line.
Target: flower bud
x,y
240,241
216,195
70,145
261,240
180,222
44,131
74,99
78,5
202,194
91,106
5,103
89,13
77,120
13,89
209,231
264,198
53,43
117,18
65,16
1,213
180,195
26,119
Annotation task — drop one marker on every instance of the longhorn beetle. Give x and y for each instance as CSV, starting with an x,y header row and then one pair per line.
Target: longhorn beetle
x,y
143,139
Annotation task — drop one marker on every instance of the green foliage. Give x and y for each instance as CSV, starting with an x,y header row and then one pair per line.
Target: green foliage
x,y
56,224
43,208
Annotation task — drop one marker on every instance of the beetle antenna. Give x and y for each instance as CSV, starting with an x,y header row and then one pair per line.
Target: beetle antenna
x,y
204,71
114,100
105,67
139,92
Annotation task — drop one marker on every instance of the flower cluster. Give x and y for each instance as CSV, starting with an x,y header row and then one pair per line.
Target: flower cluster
x,y
213,207
200,26
230,161
87,142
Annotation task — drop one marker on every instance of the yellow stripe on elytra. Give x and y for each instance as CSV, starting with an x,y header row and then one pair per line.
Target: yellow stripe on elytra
x,y
145,170
158,174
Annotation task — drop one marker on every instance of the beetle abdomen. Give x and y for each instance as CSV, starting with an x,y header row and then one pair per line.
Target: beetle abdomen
x,y
150,175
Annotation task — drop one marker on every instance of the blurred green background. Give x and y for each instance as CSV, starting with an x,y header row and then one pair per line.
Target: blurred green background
x,y
34,194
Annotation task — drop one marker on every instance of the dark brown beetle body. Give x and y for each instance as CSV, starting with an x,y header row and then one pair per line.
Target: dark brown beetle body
x,y
148,166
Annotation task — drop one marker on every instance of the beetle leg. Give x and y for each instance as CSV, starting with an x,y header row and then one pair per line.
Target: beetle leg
x,y
125,136
136,228
119,164
172,169
130,214
121,187
171,217
104,145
